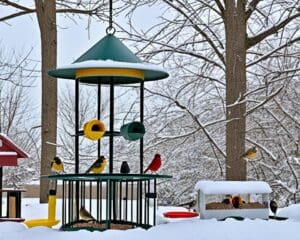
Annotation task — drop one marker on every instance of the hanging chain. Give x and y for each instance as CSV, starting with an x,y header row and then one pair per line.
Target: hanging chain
x,y
110,29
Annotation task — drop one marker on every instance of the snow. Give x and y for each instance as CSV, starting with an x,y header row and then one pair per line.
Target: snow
x,y
232,187
8,154
194,229
112,64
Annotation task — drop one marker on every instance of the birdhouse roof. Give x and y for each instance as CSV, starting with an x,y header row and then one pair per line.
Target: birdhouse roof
x,y
9,148
233,187
109,60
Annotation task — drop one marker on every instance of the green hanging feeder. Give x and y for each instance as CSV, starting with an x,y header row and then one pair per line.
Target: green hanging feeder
x,y
133,131
109,60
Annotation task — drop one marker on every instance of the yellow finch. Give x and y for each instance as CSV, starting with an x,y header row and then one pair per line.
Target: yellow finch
x,y
85,215
250,153
98,166
57,165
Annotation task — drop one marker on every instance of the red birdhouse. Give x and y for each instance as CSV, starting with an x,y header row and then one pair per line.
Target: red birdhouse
x,y
9,152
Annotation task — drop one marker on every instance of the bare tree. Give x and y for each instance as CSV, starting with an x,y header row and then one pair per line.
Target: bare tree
x,y
46,11
16,114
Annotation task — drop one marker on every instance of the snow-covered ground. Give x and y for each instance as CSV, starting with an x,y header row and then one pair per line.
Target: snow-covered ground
x,y
194,229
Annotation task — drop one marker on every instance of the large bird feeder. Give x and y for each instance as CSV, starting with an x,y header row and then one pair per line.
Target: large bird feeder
x,y
127,198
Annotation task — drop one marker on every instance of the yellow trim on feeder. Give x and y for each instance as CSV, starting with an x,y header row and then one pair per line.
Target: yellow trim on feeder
x,y
94,129
114,72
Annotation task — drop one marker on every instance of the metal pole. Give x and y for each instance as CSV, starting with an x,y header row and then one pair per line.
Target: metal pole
x,y
99,114
111,126
77,146
142,121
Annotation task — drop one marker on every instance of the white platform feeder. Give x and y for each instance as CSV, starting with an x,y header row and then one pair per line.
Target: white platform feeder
x,y
255,195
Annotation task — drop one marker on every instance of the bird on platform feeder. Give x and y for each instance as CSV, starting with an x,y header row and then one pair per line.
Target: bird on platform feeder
x,y
155,164
57,165
98,166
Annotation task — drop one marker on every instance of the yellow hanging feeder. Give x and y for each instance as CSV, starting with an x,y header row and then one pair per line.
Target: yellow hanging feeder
x,y
94,129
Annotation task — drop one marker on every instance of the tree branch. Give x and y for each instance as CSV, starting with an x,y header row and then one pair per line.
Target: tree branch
x,y
251,8
250,42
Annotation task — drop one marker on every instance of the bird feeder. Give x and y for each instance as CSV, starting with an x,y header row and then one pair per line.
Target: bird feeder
x,y
128,197
215,199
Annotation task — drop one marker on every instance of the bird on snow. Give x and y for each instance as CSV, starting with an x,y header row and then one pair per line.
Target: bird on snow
x,y
273,207
155,164
125,169
250,153
57,165
85,215
98,166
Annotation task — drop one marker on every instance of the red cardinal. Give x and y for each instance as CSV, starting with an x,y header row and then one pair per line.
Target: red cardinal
x,y
155,164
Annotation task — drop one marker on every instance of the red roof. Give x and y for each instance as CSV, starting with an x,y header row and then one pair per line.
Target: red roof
x,y
10,152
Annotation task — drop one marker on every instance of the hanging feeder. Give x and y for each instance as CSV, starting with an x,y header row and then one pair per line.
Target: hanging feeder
x,y
94,129
133,131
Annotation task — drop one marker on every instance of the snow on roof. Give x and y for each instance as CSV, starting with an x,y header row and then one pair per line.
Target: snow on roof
x,y
8,154
21,151
232,187
112,64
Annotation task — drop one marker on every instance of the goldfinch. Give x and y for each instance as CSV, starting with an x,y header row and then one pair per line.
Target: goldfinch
x,y
250,153
57,165
98,166
85,215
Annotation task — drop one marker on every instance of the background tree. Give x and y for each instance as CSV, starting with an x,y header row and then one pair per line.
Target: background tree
x,y
46,11
16,118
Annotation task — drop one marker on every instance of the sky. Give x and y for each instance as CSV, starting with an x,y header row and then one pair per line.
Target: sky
x,y
21,35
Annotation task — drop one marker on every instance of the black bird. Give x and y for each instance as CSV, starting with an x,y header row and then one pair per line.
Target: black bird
x,y
125,169
273,207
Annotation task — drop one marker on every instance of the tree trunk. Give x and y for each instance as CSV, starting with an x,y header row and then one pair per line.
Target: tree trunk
x,y
46,15
235,27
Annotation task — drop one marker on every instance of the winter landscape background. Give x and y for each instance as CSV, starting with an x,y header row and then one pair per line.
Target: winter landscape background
x,y
185,115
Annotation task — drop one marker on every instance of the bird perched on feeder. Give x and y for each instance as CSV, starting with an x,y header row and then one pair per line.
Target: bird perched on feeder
x,y
273,207
228,199
98,166
237,201
57,165
85,215
125,169
250,153
155,164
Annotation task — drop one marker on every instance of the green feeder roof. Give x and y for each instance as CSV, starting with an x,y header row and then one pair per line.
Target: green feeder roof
x,y
109,60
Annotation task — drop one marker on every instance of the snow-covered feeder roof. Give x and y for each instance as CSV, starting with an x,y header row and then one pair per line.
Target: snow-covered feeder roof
x,y
93,71
109,60
233,187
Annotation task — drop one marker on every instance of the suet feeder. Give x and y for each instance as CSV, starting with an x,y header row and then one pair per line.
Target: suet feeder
x,y
128,196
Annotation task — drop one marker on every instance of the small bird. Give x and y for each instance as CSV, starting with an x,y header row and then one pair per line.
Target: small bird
x,y
227,199
57,165
85,215
273,207
237,201
155,164
125,169
98,166
250,153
